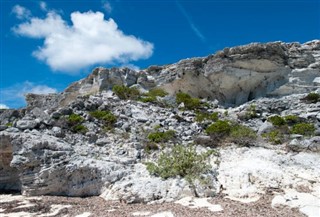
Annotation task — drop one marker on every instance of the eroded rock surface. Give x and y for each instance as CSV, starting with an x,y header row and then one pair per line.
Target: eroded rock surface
x,y
45,152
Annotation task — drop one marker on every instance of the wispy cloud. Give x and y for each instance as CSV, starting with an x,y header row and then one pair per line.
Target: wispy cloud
x,y
193,26
106,6
89,40
14,95
43,6
21,12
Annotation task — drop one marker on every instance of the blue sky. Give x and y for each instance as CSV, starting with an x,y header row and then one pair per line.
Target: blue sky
x,y
46,45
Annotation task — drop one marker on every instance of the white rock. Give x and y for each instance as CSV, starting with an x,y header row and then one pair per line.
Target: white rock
x,y
307,203
193,203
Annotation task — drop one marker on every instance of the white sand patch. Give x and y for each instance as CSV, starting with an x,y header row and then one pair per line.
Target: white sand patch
x,y
199,203
85,214
142,213
163,214
307,203
244,200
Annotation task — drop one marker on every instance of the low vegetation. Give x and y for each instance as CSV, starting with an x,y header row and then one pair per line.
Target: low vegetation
x,y
251,112
181,161
79,128
312,98
106,116
277,120
75,121
219,129
152,95
306,129
275,136
236,133
124,92
202,116
159,136
242,135
189,102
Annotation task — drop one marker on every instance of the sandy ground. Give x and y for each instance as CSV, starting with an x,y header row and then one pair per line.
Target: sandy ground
x,y
20,206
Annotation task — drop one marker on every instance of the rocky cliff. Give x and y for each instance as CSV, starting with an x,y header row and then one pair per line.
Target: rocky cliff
x,y
88,140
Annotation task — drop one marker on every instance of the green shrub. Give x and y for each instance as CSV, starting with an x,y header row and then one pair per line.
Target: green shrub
x,y
148,99
189,102
157,92
161,136
219,129
242,135
9,124
291,119
74,119
180,161
274,136
124,92
306,129
105,116
150,146
201,116
79,129
277,120
312,98
251,112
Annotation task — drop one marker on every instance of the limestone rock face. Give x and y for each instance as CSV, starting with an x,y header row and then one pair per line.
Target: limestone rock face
x,y
232,76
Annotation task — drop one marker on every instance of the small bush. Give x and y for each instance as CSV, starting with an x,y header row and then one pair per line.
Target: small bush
x,y
157,92
189,102
305,129
148,99
219,129
79,129
312,98
180,161
124,92
274,136
105,116
242,135
152,95
251,112
150,146
201,116
74,119
158,137
277,120
291,119
9,124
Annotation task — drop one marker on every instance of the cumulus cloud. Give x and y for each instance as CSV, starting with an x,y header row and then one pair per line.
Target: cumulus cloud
x,y
89,40
21,12
14,95
3,106
107,6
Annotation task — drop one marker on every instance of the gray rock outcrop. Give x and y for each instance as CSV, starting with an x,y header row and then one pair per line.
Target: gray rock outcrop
x,y
43,151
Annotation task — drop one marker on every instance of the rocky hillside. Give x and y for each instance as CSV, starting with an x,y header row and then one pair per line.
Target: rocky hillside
x,y
240,123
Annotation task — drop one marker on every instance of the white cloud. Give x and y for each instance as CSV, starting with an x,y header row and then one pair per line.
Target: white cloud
x,y
21,12
3,106
43,6
14,95
89,40
107,6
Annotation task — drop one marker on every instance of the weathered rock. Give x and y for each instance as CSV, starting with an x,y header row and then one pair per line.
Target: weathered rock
x,y
27,123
